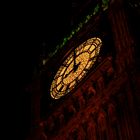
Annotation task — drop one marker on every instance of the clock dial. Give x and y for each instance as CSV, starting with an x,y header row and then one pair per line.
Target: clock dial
x,y
75,67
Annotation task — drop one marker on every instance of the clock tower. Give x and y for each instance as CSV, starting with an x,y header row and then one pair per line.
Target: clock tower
x,y
85,88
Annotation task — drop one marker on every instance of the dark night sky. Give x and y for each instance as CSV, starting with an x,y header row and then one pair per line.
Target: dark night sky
x,y
33,25
28,27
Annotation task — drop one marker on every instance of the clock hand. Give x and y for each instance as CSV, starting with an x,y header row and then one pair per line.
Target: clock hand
x,y
61,88
75,66
68,73
73,70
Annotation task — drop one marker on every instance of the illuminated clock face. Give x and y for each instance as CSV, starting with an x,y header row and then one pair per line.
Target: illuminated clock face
x,y
75,67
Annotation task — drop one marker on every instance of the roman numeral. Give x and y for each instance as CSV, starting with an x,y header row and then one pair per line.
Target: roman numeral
x,y
86,70
92,58
61,88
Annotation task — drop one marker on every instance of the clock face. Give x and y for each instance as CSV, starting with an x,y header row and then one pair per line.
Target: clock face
x,y
75,67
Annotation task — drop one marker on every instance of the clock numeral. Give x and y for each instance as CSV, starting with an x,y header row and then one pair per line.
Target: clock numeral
x,y
64,64
69,60
86,48
92,48
63,70
93,58
86,70
72,84
97,50
76,80
59,79
67,87
56,77
58,85
62,86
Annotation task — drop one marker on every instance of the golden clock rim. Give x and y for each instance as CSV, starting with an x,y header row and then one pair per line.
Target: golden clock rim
x,y
97,43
